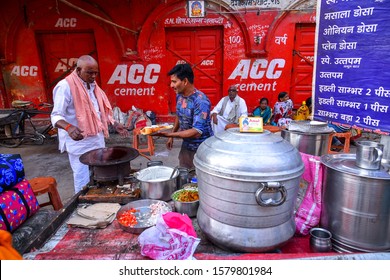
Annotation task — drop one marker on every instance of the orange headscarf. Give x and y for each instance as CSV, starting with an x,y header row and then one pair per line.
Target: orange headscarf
x,y
90,123
7,252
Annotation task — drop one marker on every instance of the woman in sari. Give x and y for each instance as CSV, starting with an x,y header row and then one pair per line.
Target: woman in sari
x,y
263,111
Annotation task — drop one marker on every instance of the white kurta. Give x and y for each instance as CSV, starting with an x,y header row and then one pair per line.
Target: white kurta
x,y
223,119
64,110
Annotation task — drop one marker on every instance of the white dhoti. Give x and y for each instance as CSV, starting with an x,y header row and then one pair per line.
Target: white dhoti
x,y
220,126
81,174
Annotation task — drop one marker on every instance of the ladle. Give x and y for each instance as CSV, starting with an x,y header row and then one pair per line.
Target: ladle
x,y
174,171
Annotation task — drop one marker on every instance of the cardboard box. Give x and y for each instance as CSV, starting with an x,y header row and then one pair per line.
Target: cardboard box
x,y
251,124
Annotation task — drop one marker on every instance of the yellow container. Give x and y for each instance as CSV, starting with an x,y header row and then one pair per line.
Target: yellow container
x,y
251,124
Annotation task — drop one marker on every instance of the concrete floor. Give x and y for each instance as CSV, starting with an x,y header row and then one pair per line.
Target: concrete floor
x,y
46,160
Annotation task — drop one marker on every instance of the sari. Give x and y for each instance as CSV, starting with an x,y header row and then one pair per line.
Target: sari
x,y
265,114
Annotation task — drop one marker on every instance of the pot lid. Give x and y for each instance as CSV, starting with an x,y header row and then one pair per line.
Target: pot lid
x,y
347,163
310,127
109,156
157,174
249,156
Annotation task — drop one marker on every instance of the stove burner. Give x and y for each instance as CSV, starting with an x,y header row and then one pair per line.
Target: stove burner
x,y
109,164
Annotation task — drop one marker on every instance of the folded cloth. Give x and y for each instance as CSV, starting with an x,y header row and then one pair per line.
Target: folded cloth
x,y
98,215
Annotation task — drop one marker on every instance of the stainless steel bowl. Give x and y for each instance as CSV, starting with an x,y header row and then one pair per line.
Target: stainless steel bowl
x,y
157,182
145,216
189,208
320,240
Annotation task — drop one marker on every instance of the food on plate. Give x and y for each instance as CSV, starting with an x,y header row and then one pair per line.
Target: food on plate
x,y
128,218
186,195
143,216
154,128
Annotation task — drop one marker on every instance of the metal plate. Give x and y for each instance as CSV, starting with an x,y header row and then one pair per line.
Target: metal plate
x,y
145,216
109,156
347,163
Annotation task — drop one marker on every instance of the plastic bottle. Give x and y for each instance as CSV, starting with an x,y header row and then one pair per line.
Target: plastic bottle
x,y
194,180
302,113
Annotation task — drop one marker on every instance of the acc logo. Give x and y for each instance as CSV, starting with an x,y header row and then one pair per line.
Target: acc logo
x,y
66,22
135,74
25,71
259,69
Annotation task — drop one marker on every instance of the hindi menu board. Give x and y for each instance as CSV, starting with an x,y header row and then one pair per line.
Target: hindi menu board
x,y
352,71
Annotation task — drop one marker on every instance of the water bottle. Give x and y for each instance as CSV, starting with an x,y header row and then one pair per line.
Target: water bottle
x,y
194,180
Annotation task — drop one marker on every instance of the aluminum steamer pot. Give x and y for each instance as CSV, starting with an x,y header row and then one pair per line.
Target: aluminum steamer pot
x,y
248,184
315,144
157,183
355,205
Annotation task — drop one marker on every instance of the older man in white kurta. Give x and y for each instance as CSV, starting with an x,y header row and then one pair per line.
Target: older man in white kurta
x,y
82,113
228,111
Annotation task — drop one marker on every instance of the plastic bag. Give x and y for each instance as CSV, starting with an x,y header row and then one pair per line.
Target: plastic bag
x,y
137,119
172,238
309,202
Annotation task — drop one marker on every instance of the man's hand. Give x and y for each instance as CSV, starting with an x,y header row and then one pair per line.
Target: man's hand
x,y
230,125
75,133
214,118
169,143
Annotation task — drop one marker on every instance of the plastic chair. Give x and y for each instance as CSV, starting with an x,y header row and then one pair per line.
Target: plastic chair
x,y
42,185
335,149
137,143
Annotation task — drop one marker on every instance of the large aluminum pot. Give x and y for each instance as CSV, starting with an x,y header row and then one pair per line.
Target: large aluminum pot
x,y
157,182
309,143
248,185
355,207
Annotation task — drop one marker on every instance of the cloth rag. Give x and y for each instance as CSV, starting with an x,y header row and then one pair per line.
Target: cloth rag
x,y
98,215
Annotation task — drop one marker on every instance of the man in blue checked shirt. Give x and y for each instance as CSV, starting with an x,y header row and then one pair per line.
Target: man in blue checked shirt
x,y
193,122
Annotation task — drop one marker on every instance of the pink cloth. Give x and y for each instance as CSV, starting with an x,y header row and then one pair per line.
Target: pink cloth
x,y
90,123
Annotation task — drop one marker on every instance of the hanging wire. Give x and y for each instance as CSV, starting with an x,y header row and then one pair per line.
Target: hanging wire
x,y
96,16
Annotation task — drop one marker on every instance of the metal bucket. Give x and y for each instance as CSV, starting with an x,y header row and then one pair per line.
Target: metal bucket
x,y
355,207
315,144
157,183
248,185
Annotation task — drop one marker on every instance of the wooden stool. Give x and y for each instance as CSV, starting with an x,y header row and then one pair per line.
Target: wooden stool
x,y
41,185
344,148
136,142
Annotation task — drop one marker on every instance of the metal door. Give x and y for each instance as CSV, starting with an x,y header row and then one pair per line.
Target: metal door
x,y
303,60
59,53
202,48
